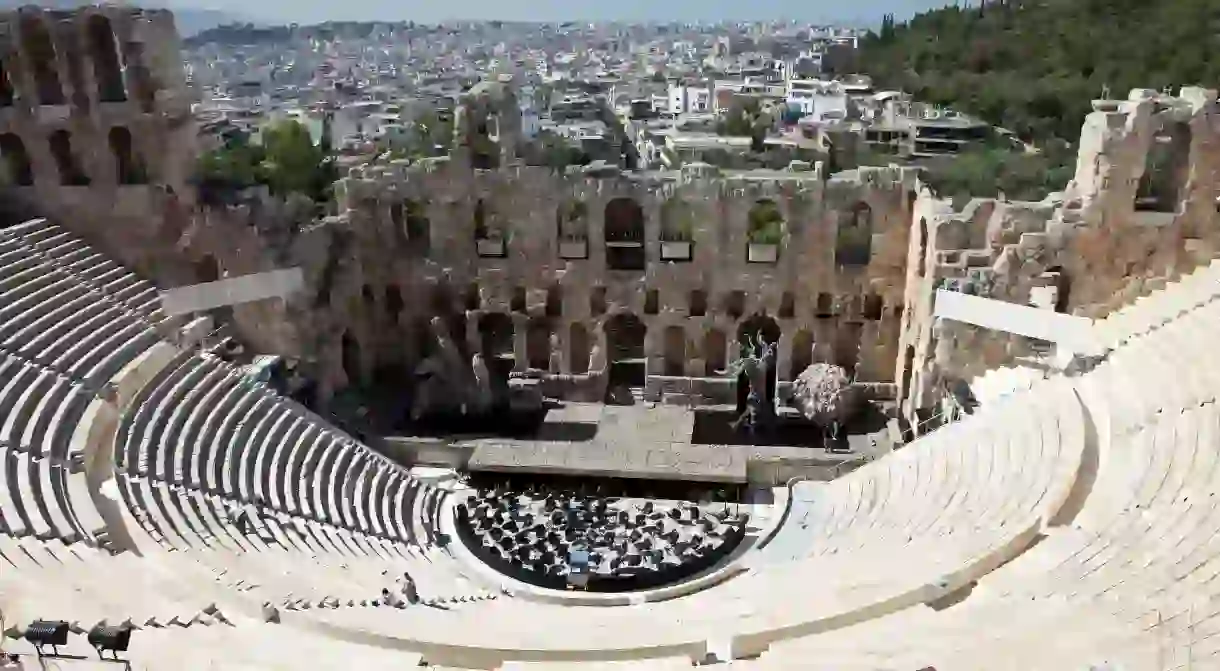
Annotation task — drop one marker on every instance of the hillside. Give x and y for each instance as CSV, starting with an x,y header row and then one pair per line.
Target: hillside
x,y
1033,66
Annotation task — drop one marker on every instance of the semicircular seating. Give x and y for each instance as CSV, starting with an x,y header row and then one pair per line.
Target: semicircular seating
x,y
1084,505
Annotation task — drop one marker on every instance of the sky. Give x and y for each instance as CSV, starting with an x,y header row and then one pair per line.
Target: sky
x,y
431,11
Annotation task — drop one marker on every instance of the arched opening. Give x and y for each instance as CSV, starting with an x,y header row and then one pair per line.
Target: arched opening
x,y
105,56
749,333
554,301
625,350
128,166
40,52
578,348
1166,169
698,303
496,340
538,343
677,220
16,160
489,236
351,359
393,302
441,299
675,351
802,353
7,93
787,305
735,304
624,232
207,269
597,301
480,220
764,231
411,221
139,79
70,173
572,220
923,245
715,352
854,239
518,303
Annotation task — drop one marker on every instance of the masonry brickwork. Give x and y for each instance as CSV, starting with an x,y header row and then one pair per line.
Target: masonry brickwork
x,y
656,273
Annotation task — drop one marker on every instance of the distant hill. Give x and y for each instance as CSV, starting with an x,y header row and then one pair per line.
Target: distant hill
x,y
1033,65
188,21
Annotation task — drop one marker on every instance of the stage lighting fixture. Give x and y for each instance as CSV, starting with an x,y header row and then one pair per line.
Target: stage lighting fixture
x,y
42,633
114,639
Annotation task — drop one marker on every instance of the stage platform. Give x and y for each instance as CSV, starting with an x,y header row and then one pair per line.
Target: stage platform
x,y
640,441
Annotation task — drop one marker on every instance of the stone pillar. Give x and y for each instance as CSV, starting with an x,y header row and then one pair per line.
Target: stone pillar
x,y
783,355
696,358
473,340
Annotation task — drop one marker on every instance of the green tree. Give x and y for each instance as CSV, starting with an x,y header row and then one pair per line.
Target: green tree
x,y
292,163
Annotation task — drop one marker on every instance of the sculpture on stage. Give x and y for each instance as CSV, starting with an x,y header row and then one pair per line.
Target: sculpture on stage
x,y
756,362
448,387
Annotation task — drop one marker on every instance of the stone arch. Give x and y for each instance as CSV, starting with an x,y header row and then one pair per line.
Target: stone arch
x,y
1166,169
538,343
765,223
479,217
677,220
393,302
16,160
625,334
139,78
748,331
854,239
40,54
554,301
128,167
802,353
70,173
572,221
8,94
578,348
624,234
350,354
715,351
104,53
756,325
410,219
675,351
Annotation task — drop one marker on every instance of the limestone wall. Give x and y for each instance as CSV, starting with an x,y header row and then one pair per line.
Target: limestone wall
x,y
409,242
1140,211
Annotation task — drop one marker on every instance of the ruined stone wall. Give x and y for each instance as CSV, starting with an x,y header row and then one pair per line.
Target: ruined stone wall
x,y
417,241
1140,211
95,127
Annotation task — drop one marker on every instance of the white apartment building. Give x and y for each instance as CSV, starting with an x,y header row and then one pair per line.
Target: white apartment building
x,y
686,99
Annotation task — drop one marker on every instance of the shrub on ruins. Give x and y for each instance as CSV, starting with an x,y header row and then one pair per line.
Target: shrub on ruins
x,y
286,162
991,172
